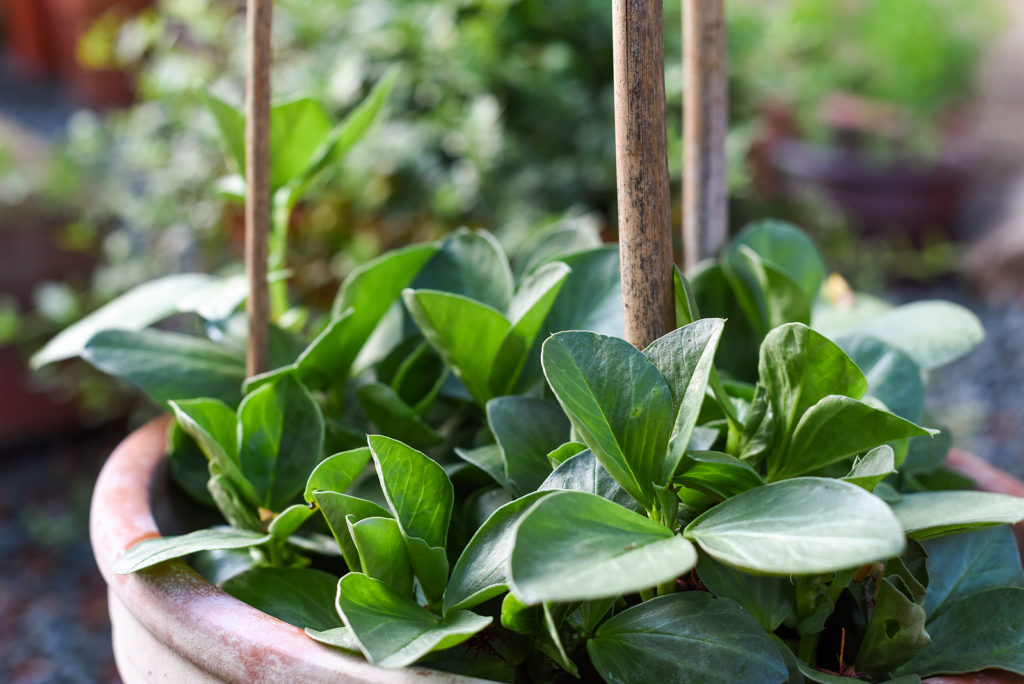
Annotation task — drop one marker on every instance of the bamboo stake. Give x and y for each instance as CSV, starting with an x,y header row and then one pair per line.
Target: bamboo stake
x,y
705,124
257,175
641,159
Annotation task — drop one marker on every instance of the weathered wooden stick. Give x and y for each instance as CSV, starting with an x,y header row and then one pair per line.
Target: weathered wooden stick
x,y
641,160
705,124
257,176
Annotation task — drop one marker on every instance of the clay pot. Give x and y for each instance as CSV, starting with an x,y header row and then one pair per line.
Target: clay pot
x,y
170,624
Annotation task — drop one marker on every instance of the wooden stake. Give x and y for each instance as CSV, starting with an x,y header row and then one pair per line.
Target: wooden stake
x,y
257,175
641,159
705,124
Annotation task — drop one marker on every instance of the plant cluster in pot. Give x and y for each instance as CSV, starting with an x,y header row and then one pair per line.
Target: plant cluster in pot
x,y
467,470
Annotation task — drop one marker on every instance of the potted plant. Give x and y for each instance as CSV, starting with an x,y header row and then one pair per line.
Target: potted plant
x,y
434,480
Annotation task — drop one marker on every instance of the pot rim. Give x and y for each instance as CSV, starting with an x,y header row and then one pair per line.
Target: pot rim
x,y
218,633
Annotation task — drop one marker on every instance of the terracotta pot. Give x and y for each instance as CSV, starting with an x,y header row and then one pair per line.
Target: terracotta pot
x,y
170,624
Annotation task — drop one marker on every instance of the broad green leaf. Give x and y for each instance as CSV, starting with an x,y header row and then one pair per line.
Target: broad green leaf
x,y
618,402
488,458
231,125
873,467
466,333
789,250
215,428
394,417
300,596
985,630
559,241
801,526
716,473
335,473
895,632
420,496
382,552
560,455
768,599
285,523
932,333
218,301
686,307
799,368
767,296
931,514
238,512
393,630
481,571
339,510
893,377
149,552
552,645
470,264
297,130
738,348
527,430
339,637
328,358
583,473
962,565
690,637
282,435
685,358
591,298
168,365
527,312
133,310
835,428
603,550
189,465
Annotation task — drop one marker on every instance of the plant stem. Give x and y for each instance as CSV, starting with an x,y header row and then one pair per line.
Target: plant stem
x,y
667,588
278,256
647,594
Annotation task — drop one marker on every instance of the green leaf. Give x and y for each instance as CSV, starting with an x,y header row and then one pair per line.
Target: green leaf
x,y
895,632
339,510
488,458
527,430
931,514
685,358
149,552
168,365
133,310
789,250
466,333
215,428
393,630
799,368
805,525
189,466
768,599
393,416
873,467
238,512
297,130
766,295
985,630
527,312
835,428
618,402
559,241
716,473
382,552
687,310
470,264
282,435
335,473
481,571
893,377
591,298
932,333
285,523
583,473
963,565
231,124
603,550
560,455
420,496
300,596
339,637
687,637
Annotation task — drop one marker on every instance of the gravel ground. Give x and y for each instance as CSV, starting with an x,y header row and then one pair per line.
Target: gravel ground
x,y
53,601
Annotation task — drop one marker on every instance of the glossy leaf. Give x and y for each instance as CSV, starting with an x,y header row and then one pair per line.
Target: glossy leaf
x,y
339,510
481,571
238,512
801,526
931,514
339,637
688,637
617,401
282,434
168,365
288,521
394,417
335,473
559,241
149,552
788,249
591,298
768,599
872,467
604,550
393,630
300,596
893,377
767,296
472,265
527,430
960,566
583,473
894,634
717,473
560,455
214,427
685,358
382,552
488,458
133,310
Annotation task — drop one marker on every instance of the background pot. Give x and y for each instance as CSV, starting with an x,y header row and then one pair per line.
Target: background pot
x,y
170,624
